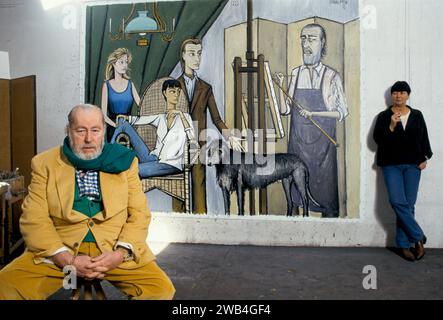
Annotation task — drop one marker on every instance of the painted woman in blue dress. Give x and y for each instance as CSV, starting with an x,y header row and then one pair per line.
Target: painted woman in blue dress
x,y
118,91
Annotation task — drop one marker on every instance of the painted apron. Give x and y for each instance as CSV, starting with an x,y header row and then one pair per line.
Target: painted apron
x,y
316,150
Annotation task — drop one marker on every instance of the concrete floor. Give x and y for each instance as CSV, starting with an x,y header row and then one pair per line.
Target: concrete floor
x,y
201,272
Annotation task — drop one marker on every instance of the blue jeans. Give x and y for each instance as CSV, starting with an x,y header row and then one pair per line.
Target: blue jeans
x,y
402,182
149,165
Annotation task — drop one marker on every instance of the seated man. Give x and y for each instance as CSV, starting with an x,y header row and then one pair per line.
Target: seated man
x,y
173,129
86,209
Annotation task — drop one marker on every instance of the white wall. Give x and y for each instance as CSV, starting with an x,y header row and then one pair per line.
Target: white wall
x,y
404,42
4,65
38,44
405,45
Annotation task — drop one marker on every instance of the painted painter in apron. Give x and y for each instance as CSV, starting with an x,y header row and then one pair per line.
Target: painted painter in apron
x,y
316,150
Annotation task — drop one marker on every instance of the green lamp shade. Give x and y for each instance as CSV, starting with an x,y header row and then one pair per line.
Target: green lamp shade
x,y
141,24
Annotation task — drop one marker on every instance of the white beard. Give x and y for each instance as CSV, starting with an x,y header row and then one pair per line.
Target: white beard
x,y
312,59
83,156
88,156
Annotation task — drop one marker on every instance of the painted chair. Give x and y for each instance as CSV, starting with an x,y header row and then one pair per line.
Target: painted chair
x,y
177,185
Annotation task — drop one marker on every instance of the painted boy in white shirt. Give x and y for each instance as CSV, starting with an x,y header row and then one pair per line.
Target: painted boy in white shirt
x,y
173,129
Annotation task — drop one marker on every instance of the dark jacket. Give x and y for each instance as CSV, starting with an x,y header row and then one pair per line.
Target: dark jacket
x,y
410,146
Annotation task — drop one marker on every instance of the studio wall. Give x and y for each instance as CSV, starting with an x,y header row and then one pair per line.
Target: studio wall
x,y
394,45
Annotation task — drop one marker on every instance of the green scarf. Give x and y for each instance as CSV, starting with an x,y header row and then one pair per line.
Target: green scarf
x,y
114,158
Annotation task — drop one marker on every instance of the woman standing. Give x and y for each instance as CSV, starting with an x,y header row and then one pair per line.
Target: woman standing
x,y
118,91
403,150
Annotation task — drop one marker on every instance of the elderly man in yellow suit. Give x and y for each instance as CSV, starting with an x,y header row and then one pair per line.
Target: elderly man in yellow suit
x,y
85,209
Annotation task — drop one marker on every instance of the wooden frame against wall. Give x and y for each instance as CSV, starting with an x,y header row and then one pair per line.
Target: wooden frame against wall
x,y
5,125
18,138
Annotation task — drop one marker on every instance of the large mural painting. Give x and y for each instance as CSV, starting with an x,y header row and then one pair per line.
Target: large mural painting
x,y
233,107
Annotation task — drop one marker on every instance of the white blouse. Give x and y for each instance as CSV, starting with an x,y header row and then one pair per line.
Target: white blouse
x,y
404,119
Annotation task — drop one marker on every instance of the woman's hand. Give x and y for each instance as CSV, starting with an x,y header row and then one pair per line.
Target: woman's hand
x,y
394,120
423,165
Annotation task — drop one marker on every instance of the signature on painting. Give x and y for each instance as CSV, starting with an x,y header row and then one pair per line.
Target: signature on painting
x,y
344,3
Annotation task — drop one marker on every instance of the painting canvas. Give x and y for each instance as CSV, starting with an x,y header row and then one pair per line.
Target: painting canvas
x,y
233,111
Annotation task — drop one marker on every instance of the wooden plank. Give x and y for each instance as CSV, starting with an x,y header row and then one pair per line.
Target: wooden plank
x,y
262,142
5,125
237,94
23,122
274,105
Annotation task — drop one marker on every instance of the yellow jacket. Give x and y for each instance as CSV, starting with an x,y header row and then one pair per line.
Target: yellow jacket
x,y
48,221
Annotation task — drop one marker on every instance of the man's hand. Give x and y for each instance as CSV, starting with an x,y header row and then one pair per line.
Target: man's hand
x,y
107,261
305,113
235,144
81,263
280,77
62,259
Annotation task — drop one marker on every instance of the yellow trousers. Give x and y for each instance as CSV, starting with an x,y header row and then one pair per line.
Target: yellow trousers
x,y
23,279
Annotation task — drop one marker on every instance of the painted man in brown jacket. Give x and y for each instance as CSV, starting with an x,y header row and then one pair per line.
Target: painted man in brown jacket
x,y
201,98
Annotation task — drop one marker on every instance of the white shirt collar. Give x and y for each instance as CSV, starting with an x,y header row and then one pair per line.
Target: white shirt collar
x,y
318,68
188,79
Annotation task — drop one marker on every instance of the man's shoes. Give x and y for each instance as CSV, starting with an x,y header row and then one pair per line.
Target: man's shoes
x,y
420,248
407,254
